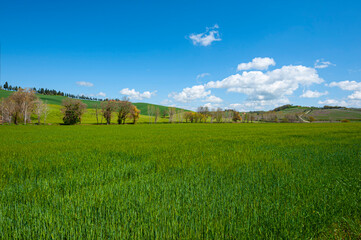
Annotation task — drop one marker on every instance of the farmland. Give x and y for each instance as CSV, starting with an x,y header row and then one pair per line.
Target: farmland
x,y
181,181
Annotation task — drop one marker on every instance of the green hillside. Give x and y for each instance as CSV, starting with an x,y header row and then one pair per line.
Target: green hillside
x,y
56,100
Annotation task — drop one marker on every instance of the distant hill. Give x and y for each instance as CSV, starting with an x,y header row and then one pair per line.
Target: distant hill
x,y
326,113
56,100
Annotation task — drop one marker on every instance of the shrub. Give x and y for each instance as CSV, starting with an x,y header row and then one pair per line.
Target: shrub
x,y
73,109
345,120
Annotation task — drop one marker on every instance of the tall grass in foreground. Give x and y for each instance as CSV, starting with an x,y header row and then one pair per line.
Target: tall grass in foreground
x,y
188,181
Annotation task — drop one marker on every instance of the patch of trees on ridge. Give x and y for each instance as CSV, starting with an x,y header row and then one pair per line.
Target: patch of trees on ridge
x,y
52,92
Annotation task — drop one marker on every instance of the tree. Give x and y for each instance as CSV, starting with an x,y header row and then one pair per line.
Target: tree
x,y
150,113
6,85
219,115
171,112
23,100
97,112
73,110
156,114
108,107
164,113
123,109
236,116
204,113
134,114
39,109
7,109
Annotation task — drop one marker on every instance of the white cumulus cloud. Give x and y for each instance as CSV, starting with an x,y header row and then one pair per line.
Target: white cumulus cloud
x,y
101,94
213,99
257,63
323,64
347,85
85,84
135,95
271,87
206,38
313,94
355,96
190,94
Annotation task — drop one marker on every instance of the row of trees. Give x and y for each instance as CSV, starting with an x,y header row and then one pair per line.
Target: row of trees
x,y
73,110
19,106
45,91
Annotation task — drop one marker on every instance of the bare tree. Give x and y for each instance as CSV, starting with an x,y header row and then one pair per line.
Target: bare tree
x,y
219,115
45,111
156,114
150,113
23,100
38,109
97,112
171,112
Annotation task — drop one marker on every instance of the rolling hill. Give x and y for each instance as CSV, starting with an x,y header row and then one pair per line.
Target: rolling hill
x,y
56,100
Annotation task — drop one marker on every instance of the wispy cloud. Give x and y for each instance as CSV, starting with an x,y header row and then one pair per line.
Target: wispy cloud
x,y
206,38
85,84
202,75
320,63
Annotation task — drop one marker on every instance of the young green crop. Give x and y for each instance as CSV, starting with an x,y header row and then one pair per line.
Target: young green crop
x,y
181,181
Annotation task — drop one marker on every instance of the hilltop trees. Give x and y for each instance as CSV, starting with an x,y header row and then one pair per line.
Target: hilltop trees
x,y
73,110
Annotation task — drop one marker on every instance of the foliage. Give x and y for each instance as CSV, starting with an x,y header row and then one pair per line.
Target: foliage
x,y
73,109
345,120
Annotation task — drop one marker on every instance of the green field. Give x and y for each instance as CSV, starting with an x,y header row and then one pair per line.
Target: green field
x,y
181,181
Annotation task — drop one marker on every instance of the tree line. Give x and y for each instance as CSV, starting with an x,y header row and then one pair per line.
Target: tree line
x,y
53,92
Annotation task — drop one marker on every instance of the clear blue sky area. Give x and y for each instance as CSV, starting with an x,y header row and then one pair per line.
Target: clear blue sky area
x,y
187,53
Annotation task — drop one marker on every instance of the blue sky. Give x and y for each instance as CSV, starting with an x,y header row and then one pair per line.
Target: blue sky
x,y
248,55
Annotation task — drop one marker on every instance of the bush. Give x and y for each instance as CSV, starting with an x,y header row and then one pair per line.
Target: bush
x,y
345,120
311,119
73,109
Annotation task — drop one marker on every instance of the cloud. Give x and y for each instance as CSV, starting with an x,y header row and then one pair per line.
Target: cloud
x,y
355,96
333,102
213,99
206,38
166,102
190,94
101,94
313,94
211,106
257,63
85,84
202,75
269,88
323,64
132,94
347,85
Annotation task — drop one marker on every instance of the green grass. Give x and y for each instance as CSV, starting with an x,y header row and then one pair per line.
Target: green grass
x,y
181,181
